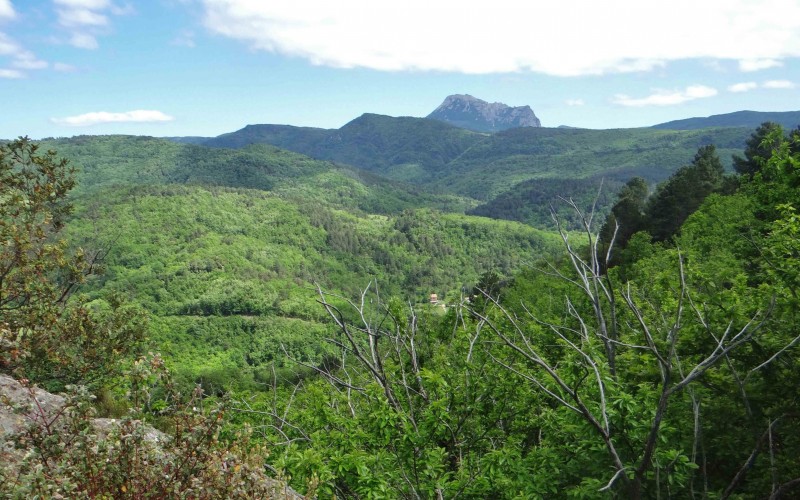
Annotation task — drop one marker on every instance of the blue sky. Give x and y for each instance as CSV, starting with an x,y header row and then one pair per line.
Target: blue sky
x,y
205,67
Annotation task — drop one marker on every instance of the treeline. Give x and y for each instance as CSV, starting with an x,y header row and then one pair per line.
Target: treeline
x,y
662,213
534,202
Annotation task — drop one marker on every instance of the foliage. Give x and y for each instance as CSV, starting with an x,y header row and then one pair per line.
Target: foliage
x,y
661,214
683,193
407,417
758,149
56,339
534,201
481,166
668,376
228,274
390,146
668,380
627,215
113,161
507,158
70,454
46,334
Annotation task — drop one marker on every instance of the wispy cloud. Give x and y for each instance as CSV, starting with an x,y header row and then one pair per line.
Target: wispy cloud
x,y
743,87
184,39
625,35
769,84
84,41
98,117
12,74
64,68
20,58
749,65
85,20
76,18
8,47
778,84
666,97
574,102
27,60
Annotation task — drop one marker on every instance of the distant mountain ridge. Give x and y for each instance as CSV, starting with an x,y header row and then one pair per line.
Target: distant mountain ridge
x,y
749,119
466,111
376,143
510,171
450,159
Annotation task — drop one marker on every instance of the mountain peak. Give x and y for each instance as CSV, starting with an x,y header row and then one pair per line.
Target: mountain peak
x,y
466,111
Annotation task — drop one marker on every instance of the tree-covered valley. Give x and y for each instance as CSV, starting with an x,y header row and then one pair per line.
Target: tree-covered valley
x,y
615,312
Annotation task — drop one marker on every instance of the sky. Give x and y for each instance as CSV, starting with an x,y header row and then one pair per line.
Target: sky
x,y
206,67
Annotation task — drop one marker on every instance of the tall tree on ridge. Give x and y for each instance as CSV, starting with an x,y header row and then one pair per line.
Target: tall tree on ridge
x,y
683,193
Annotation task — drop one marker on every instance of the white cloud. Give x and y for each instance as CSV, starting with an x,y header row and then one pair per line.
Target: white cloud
x,y
11,74
749,65
83,41
85,20
95,118
64,68
7,10
589,37
574,102
26,60
666,97
778,84
8,46
21,59
743,86
84,4
74,18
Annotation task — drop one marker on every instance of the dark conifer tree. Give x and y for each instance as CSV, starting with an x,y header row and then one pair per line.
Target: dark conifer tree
x,y
627,213
683,193
757,150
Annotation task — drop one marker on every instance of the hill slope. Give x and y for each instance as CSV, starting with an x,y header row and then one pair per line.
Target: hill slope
x,y
428,152
402,148
749,119
486,166
224,248
298,139
502,160
107,161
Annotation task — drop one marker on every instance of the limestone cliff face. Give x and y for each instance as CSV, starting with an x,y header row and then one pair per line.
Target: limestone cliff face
x,y
472,113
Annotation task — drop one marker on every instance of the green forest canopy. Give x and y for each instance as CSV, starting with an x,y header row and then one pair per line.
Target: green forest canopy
x,y
671,373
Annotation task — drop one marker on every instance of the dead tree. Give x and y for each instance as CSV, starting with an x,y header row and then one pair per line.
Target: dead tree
x,y
598,326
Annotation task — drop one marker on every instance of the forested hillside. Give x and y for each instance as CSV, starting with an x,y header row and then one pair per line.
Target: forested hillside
x,y
670,374
425,151
214,263
747,119
402,148
107,161
224,248
649,353
497,168
501,161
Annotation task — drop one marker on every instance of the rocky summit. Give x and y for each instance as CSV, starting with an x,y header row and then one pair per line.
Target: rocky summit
x,y
475,114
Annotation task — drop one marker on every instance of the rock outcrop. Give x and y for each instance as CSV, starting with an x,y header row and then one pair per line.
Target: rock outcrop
x,y
469,112
25,407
